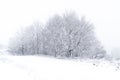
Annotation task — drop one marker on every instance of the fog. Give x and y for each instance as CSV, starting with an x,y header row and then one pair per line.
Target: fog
x,y
104,14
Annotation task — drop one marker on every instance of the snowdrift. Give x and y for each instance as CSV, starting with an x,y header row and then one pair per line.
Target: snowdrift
x,y
43,68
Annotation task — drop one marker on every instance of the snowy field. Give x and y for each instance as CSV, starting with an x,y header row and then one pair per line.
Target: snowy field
x,y
44,68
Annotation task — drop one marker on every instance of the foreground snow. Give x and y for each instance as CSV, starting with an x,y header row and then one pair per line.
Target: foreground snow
x,y
42,68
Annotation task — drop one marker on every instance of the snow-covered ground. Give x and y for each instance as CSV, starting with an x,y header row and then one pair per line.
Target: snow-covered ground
x,y
44,68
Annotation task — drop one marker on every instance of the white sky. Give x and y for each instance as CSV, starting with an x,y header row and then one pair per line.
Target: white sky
x,y
104,14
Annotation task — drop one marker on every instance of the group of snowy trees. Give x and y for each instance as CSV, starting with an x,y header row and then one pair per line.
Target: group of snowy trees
x,y
61,36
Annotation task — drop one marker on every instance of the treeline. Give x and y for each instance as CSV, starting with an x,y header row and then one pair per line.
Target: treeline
x,y
61,36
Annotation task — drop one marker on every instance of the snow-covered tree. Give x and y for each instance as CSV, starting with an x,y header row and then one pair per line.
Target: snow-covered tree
x,y
16,45
52,36
27,41
70,36
64,36
33,38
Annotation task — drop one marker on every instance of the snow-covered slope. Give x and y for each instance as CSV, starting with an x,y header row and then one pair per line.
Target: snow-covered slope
x,y
42,68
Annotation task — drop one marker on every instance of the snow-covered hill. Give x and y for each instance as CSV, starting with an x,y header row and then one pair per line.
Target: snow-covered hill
x,y
42,68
